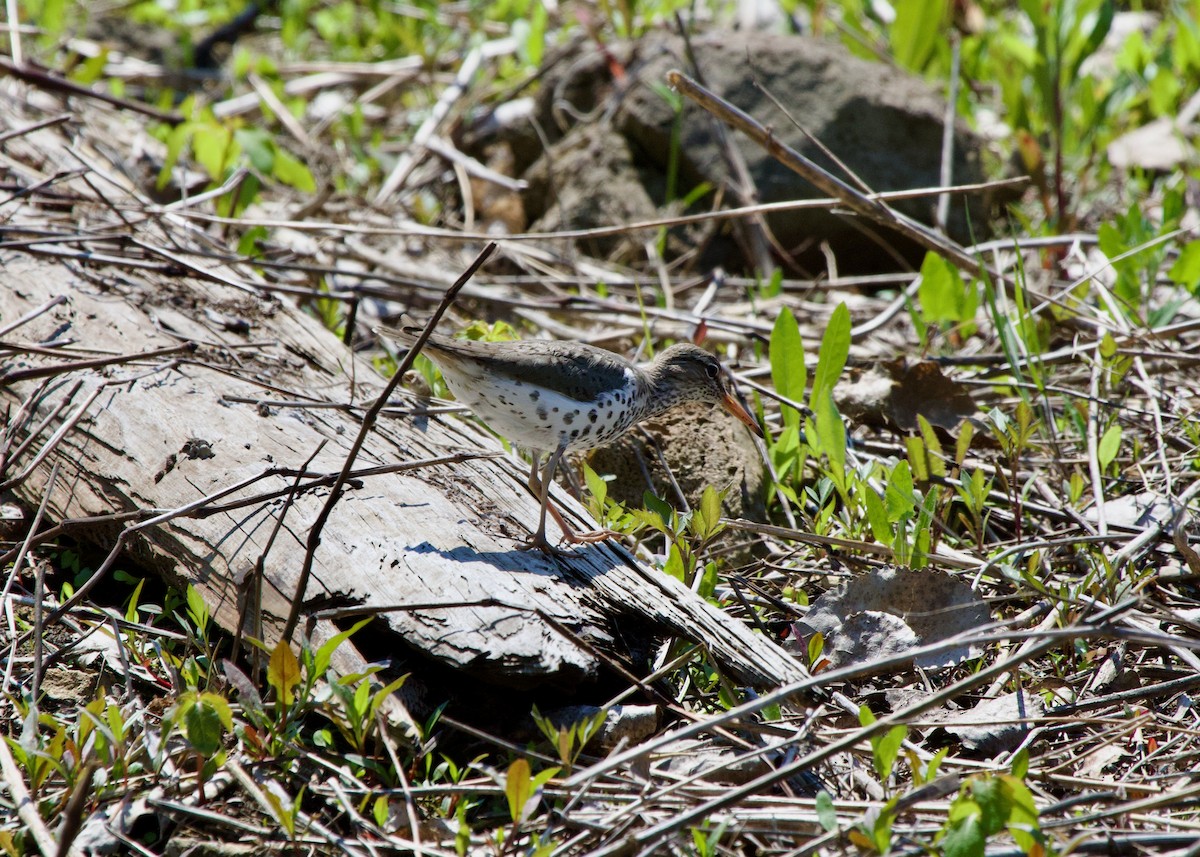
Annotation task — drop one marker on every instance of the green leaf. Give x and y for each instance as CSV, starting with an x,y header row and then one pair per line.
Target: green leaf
x,y
877,516
963,445
1186,270
1095,38
1109,445
596,485
935,458
131,611
204,723
1020,763
283,672
710,511
212,146
944,296
380,811
964,838
788,371
826,814
325,653
994,804
675,566
831,360
196,608
518,788
886,748
916,31
659,507
292,172
832,434
899,495
914,449
816,645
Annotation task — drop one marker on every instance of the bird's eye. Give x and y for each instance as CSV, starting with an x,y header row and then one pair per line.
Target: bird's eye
x,y
712,370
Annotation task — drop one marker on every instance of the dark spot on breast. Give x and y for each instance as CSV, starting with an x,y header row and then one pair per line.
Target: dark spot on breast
x,y
593,415
541,412
574,433
570,418
535,394
555,410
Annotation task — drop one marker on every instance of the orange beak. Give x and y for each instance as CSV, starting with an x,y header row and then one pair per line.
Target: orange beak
x,y
735,407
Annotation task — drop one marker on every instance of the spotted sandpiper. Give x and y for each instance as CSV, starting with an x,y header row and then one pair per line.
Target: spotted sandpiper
x,y
556,397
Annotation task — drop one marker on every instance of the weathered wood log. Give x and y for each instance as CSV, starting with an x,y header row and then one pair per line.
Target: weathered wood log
x,y
257,395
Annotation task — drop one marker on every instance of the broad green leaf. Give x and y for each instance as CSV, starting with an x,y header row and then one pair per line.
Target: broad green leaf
x,y
710,511
1186,270
916,31
196,608
935,458
994,805
675,565
326,650
1020,763
659,507
964,838
788,371
1109,445
881,527
518,788
914,449
205,722
596,485
283,672
886,747
831,360
826,814
212,145
292,172
899,496
940,290
816,645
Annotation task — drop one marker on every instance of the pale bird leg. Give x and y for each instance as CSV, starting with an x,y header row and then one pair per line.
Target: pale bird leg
x,y
540,487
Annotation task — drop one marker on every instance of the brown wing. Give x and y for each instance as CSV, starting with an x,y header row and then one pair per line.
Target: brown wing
x,y
573,369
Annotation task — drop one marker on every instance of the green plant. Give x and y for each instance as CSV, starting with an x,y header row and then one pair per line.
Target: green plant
x,y
688,534
569,741
885,746
988,804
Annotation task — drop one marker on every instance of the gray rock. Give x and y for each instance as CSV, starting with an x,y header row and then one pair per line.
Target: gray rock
x,y
884,124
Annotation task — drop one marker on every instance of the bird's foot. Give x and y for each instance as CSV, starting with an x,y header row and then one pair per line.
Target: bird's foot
x,y
591,537
538,541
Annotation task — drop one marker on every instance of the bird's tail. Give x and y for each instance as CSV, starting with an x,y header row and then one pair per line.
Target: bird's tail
x,y
405,333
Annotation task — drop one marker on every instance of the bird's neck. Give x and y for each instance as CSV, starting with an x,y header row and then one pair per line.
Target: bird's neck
x,y
659,395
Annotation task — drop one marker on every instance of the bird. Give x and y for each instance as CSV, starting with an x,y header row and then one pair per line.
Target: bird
x,y
553,397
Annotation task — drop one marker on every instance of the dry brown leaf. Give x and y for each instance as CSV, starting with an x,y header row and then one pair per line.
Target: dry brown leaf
x,y
994,725
927,606
896,391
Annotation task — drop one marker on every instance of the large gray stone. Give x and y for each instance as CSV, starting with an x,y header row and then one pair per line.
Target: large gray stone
x,y
884,124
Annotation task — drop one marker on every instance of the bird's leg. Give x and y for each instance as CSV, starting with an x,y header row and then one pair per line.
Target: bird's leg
x,y
542,487
570,534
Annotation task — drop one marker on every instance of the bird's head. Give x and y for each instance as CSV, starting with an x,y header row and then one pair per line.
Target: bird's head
x,y
687,373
